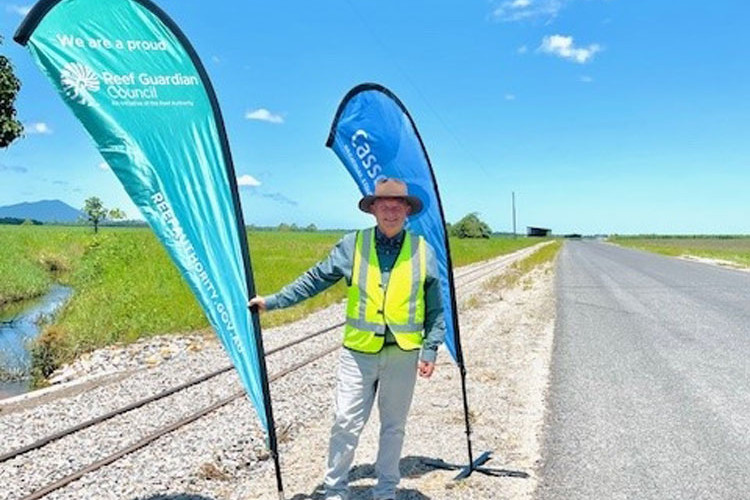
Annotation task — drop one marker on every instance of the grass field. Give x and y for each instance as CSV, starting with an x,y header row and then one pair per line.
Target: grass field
x,y
733,249
126,287
32,257
466,251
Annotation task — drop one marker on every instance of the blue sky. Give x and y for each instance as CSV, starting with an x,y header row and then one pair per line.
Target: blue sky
x,y
604,116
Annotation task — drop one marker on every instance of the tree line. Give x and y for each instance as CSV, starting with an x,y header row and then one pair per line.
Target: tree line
x,y
15,221
96,214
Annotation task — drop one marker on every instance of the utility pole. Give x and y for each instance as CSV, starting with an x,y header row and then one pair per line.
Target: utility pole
x,y
514,213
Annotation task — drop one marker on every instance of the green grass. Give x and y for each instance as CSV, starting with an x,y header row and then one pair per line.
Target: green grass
x,y
278,258
521,268
32,257
733,249
466,251
126,287
545,254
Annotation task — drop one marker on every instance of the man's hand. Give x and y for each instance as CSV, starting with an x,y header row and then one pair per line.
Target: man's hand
x,y
425,368
259,302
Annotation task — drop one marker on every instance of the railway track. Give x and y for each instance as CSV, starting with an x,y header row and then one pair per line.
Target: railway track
x,y
480,271
463,279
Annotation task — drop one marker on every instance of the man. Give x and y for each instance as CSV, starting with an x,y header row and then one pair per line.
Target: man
x,y
394,326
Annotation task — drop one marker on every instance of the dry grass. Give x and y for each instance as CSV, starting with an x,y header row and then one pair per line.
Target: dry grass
x,y
518,270
728,248
209,470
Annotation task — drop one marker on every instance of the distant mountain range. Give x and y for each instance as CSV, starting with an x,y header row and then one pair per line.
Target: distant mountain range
x,y
43,211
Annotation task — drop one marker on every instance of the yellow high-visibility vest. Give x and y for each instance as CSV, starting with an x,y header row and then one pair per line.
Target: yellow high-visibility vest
x,y
399,304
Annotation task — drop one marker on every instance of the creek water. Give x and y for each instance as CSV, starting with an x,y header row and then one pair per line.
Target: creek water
x,y
19,326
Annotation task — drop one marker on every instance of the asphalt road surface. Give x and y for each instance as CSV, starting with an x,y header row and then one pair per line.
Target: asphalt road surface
x,y
650,384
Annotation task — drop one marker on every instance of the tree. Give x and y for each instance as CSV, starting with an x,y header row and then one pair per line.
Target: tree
x,y
471,227
95,212
10,128
311,228
116,214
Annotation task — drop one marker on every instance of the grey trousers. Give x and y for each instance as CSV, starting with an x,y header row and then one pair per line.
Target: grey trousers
x,y
391,374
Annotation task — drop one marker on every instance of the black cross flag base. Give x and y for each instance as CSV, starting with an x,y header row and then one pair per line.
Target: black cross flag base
x,y
475,466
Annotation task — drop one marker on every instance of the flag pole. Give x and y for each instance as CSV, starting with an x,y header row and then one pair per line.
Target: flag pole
x,y
473,464
272,441
484,457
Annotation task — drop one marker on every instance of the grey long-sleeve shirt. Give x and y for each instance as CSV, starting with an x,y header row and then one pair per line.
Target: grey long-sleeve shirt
x,y
339,265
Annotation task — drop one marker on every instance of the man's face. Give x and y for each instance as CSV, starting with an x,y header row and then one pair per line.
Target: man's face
x,y
390,214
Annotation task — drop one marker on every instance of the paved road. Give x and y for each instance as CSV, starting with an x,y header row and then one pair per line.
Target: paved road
x,y
650,389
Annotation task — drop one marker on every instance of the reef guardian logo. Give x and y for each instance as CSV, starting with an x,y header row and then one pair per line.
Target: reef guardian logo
x,y
143,86
78,82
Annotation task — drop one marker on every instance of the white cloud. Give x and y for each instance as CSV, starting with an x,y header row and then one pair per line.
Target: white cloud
x,y
216,59
247,181
21,10
522,49
586,79
37,128
264,115
521,10
104,165
562,46
510,97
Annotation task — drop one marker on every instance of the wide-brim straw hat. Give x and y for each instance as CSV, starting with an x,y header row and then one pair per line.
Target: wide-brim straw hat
x,y
390,188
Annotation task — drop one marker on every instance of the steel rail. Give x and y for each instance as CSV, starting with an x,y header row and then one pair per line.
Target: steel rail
x,y
168,392
64,481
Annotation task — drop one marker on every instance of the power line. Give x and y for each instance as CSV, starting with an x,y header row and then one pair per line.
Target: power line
x,y
406,76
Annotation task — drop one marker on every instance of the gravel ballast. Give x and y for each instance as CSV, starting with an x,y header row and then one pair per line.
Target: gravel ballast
x,y
507,339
